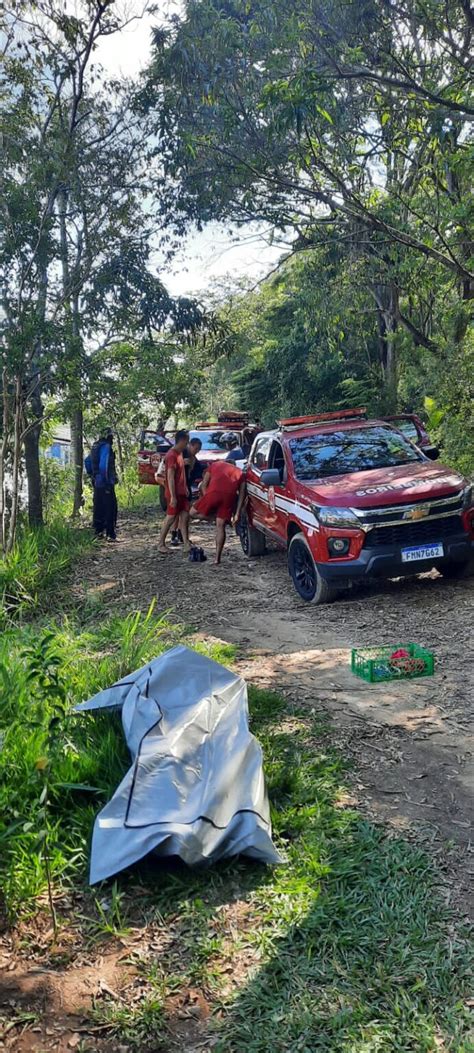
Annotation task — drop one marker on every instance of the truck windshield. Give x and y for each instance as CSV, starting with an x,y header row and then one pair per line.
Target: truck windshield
x,y
357,450
210,439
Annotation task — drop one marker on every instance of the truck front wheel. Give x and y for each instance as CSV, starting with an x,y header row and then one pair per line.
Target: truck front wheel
x,y
252,540
305,575
458,570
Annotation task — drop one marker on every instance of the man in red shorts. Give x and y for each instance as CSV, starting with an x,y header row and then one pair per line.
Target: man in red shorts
x,y
176,492
222,496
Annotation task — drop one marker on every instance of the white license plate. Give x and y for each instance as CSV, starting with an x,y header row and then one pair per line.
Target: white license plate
x,y
410,555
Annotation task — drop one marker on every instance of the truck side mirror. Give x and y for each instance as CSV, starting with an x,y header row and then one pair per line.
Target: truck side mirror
x,y
270,477
432,452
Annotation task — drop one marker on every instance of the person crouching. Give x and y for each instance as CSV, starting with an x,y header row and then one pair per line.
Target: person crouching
x,y
222,495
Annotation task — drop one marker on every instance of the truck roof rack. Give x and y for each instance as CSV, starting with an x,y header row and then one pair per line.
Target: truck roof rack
x,y
360,413
222,425
237,416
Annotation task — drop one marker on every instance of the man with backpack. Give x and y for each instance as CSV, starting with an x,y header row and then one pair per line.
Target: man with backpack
x,y
100,467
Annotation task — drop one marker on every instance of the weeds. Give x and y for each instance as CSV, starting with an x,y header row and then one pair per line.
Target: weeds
x,y
32,573
88,757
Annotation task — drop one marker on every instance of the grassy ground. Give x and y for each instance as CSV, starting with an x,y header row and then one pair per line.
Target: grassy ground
x,y
347,948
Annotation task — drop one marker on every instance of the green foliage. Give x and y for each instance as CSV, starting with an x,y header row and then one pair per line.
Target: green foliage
x,y
30,575
347,125
79,760
57,487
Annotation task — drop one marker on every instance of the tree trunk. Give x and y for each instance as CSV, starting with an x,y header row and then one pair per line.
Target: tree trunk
x,y
119,452
31,443
386,298
3,457
74,354
77,457
17,417
77,417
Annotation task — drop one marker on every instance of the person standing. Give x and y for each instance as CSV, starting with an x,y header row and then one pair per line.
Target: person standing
x,y
223,494
100,466
194,473
236,452
176,492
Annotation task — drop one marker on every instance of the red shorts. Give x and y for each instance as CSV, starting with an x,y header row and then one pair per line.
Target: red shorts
x,y
181,505
220,505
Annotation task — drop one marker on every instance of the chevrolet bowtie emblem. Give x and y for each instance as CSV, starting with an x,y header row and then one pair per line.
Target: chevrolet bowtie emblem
x,y
417,513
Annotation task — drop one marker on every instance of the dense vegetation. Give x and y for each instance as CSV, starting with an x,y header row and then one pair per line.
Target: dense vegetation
x,y
345,128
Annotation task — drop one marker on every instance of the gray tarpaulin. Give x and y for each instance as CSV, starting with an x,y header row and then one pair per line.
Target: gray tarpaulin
x,y
195,788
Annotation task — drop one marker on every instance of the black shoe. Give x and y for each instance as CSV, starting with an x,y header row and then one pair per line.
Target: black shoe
x,y
112,540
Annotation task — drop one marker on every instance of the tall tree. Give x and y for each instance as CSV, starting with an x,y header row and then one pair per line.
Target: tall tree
x,y
343,122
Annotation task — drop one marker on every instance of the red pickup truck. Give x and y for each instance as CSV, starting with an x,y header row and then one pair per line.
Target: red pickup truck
x,y
352,498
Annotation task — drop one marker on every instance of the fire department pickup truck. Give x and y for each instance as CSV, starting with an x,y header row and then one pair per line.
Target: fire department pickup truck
x,y
352,498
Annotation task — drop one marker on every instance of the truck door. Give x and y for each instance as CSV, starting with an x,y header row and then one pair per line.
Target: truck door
x,y
152,448
258,494
409,427
277,516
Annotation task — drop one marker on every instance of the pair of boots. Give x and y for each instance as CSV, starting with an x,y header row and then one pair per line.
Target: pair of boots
x,y
176,538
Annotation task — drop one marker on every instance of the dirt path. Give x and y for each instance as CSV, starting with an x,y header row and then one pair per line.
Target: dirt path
x,y
411,743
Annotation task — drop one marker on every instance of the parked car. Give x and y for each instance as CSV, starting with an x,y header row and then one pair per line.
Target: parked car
x,y
351,498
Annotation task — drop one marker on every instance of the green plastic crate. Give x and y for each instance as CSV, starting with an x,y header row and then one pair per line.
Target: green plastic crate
x,y
376,664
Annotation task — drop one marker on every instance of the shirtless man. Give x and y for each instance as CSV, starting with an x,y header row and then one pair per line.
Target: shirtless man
x,y
176,492
222,495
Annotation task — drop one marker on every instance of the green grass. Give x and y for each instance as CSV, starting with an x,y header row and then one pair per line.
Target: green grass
x,y
92,755
351,949
347,948
32,574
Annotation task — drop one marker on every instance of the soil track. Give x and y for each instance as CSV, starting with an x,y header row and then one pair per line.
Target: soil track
x,y
411,742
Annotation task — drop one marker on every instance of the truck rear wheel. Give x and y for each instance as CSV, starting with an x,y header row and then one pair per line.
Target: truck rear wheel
x,y
163,499
252,540
305,575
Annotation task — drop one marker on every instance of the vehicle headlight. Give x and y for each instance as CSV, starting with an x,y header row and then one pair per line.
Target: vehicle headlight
x,y
468,496
337,517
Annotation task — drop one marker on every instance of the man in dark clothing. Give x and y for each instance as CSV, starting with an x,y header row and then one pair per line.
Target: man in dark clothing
x,y
104,478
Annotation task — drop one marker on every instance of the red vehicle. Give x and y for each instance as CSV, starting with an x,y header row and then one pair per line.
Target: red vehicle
x,y
413,429
352,498
154,446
